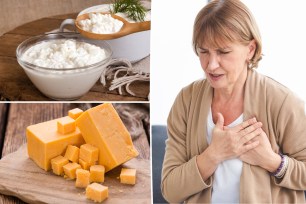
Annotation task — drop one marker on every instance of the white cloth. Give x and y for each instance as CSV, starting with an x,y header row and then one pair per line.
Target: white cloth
x,y
226,183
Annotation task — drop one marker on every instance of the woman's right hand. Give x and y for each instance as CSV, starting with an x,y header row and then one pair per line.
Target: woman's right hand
x,y
228,143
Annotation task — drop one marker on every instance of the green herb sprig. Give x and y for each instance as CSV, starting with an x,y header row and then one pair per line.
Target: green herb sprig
x,y
132,8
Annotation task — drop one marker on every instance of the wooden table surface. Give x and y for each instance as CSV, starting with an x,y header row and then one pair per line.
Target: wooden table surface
x,y
15,117
16,86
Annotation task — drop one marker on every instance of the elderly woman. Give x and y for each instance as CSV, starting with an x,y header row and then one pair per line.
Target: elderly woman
x,y
236,136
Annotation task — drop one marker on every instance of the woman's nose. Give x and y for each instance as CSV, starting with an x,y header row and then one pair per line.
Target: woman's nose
x,y
213,62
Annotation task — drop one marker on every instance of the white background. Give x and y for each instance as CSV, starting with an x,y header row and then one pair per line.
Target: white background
x,y
174,64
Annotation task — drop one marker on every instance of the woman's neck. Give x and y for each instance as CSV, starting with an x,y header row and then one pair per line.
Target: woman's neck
x,y
229,102
226,96
233,92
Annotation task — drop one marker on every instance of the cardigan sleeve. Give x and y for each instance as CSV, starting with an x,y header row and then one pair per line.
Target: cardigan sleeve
x,y
291,126
180,175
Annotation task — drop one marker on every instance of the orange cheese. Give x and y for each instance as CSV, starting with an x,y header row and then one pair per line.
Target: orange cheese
x,y
128,176
96,192
57,164
84,165
70,170
102,127
75,113
72,153
82,178
65,125
89,153
97,173
45,142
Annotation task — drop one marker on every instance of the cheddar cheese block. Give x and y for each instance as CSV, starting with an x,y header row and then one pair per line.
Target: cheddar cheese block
x,y
72,153
96,192
75,113
85,165
65,125
70,170
57,164
97,173
128,176
45,142
82,178
102,127
89,153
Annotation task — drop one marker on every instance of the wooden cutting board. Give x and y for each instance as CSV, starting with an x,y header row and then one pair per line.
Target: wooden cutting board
x,y
21,177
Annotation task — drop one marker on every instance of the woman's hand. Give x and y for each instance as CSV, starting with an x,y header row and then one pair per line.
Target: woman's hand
x,y
262,155
228,143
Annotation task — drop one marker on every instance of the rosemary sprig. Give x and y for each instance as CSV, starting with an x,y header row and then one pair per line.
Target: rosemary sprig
x,y
132,8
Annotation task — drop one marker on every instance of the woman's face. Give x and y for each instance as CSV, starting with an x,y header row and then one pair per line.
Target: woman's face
x,y
225,66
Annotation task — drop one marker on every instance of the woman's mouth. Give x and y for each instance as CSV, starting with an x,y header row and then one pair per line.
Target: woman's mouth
x,y
215,77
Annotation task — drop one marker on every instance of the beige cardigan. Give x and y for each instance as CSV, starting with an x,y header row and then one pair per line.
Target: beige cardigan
x,y
284,121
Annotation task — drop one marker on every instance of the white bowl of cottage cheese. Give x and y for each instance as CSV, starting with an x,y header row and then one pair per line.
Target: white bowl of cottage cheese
x,y
63,66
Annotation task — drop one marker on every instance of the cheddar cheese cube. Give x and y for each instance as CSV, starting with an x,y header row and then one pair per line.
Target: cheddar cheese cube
x,y
97,173
128,176
65,125
102,127
70,170
85,165
96,192
89,153
75,113
44,142
72,153
82,178
57,164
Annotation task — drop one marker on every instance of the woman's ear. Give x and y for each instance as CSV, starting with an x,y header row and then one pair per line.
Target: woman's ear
x,y
251,49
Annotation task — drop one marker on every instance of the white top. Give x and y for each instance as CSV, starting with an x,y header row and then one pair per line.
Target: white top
x,y
226,182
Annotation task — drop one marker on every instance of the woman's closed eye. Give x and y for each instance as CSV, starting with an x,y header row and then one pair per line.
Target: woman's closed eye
x,y
218,51
223,52
202,51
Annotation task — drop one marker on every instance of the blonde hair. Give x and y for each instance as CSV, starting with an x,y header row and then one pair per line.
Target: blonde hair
x,y
222,21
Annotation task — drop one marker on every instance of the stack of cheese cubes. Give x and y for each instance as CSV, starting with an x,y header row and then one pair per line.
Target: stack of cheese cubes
x,y
80,164
83,146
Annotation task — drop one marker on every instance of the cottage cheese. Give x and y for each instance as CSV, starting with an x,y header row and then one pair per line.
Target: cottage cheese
x,y
63,54
101,24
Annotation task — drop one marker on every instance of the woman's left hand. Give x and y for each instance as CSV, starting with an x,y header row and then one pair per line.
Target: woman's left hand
x,y
262,155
